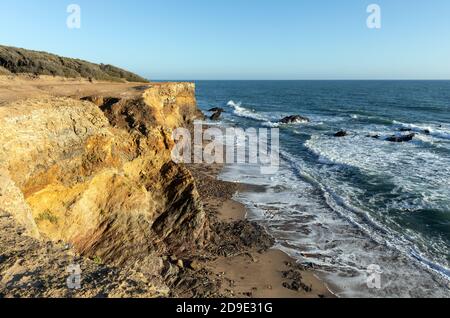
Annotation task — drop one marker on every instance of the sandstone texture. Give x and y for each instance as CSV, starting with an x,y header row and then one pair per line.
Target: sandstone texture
x,y
37,268
95,172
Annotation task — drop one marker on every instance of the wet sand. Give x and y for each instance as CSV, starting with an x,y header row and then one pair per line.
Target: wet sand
x,y
263,274
252,272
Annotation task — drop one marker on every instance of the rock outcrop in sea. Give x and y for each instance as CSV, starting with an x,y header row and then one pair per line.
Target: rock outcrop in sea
x,y
217,112
403,138
341,133
295,119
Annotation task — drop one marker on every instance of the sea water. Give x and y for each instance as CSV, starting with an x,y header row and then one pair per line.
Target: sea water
x,y
344,204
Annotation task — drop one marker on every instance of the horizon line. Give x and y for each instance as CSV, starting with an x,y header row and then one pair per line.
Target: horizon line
x,y
297,80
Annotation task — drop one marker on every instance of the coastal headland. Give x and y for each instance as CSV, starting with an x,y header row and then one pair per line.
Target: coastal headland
x,y
86,178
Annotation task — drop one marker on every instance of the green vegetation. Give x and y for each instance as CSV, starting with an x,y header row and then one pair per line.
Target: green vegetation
x,y
97,260
47,216
15,60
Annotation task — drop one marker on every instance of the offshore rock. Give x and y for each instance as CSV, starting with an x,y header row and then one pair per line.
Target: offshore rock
x,y
296,119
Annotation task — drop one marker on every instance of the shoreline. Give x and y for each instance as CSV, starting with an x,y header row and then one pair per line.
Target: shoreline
x,y
254,272
235,257
272,264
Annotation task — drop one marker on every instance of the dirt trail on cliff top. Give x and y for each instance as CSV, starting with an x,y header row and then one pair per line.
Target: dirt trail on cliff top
x,y
16,87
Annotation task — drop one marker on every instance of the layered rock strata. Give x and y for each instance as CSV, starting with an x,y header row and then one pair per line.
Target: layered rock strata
x,y
97,172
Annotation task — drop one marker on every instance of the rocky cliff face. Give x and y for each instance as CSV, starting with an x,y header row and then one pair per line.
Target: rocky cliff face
x,y
97,172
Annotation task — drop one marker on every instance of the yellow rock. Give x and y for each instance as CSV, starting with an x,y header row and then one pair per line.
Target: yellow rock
x,y
103,181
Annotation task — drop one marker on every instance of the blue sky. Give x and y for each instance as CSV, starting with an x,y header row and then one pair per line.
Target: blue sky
x,y
241,39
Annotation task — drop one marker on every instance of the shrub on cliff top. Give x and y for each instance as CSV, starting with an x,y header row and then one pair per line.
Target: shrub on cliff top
x,y
15,60
4,71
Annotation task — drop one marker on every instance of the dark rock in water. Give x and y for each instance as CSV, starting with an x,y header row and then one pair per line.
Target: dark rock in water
x,y
373,136
216,115
296,119
404,138
216,109
405,129
341,133
426,132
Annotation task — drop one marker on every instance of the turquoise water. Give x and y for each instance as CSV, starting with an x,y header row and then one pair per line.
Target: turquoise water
x,y
345,203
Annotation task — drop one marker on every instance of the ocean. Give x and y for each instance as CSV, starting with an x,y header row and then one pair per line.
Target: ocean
x,y
343,204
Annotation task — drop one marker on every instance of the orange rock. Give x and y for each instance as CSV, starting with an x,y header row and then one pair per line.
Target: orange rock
x,y
102,181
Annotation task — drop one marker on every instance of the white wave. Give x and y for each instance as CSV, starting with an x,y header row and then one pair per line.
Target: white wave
x,y
271,124
241,111
297,216
421,172
435,131
340,203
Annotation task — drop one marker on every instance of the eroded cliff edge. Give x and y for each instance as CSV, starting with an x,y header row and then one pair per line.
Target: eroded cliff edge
x,y
86,179
96,172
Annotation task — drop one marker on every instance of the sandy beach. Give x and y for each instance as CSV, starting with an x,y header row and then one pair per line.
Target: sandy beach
x,y
263,274
254,272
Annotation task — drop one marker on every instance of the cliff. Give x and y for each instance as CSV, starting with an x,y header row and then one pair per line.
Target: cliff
x,y
96,172
86,179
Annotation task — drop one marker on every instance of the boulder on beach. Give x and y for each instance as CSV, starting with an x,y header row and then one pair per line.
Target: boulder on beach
x,y
295,119
404,138
341,133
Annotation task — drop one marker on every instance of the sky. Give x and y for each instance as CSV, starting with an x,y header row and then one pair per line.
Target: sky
x,y
241,39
